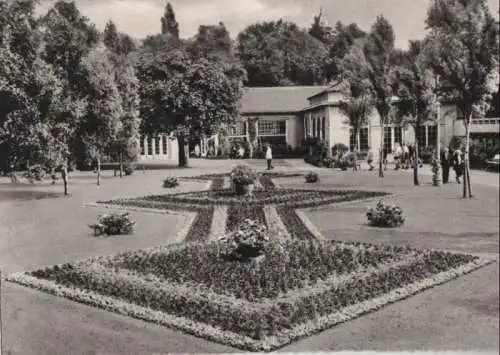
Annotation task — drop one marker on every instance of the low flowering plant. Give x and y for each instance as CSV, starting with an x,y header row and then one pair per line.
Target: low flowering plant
x,y
248,240
170,182
385,215
113,224
311,177
243,175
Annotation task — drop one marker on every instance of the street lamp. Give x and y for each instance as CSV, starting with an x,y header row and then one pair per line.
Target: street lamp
x,y
436,169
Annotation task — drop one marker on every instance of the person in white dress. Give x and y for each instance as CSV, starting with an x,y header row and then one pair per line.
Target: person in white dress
x,y
269,157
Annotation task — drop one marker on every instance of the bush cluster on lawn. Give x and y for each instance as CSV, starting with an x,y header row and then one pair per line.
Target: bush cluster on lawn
x,y
129,169
385,216
113,224
312,177
170,182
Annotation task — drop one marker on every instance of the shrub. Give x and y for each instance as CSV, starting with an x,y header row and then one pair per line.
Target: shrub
x,y
129,169
243,175
35,173
385,216
113,224
170,182
312,177
248,240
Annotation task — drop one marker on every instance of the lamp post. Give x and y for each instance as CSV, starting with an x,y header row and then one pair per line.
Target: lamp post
x,y
436,169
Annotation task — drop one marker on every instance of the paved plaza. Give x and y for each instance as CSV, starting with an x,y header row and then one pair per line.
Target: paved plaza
x,y
39,227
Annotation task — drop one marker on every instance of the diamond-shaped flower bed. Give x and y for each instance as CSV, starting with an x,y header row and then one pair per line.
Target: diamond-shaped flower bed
x,y
297,289
301,285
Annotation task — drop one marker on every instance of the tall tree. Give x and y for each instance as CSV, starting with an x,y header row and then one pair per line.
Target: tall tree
x,y
416,87
184,96
68,37
102,122
34,111
280,53
111,37
356,105
169,24
464,45
373,60
343,37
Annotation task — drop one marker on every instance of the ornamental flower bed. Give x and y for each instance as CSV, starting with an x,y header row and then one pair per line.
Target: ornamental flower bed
x,y
385,215
299,288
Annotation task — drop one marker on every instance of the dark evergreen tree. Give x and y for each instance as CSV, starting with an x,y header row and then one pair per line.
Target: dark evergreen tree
x,y
169,24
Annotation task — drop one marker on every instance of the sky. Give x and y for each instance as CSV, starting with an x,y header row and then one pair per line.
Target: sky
x,y
140,18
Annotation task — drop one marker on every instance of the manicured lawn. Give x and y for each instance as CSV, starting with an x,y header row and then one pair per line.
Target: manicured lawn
x,y
301,286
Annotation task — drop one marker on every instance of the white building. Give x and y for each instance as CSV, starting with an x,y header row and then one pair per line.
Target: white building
x,y
287,115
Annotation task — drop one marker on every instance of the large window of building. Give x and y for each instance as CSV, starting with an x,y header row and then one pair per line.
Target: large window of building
x,y
431,135
362,143
388,140
398,135
150,145
323,128
238,129
157,145
422,137
272,128
272,132
164,142
141,144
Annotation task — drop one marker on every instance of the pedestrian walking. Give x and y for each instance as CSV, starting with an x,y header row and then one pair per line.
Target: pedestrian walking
x,y
197,151
369,159
406,157
398,155
458,164
269,157
445,164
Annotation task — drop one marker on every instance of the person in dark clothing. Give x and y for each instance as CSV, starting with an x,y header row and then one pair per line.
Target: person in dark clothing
x,y
445,164
385,153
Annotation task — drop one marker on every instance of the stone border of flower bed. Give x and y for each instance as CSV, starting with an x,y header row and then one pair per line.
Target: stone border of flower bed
x,y
280,339
135,209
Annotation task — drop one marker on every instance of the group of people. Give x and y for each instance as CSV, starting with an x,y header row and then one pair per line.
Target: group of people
x,y
453,160
404,159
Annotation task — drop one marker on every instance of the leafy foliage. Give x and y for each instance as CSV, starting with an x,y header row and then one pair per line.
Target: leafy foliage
x,y
463,50
170,182
243,175
279,53
385,216
113,224
248,240
168,22
312,177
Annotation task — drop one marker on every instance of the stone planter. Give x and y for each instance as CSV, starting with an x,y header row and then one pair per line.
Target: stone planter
x,y
243,189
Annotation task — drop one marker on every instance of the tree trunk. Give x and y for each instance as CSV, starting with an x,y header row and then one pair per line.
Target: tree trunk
x,y
381,158
467,193
183,157
355,156
98,171
121,164
64,174
416,182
